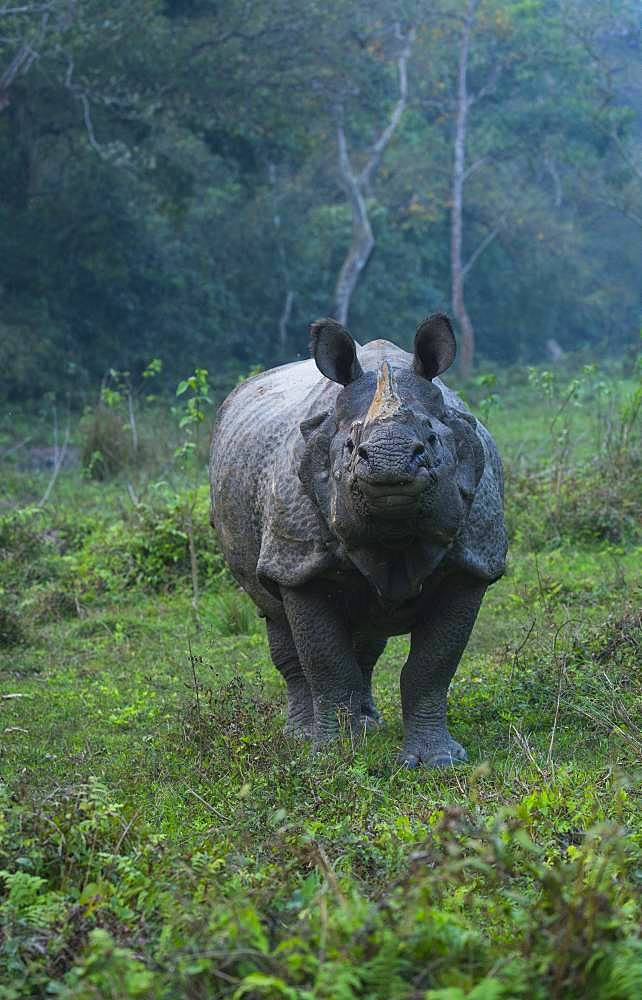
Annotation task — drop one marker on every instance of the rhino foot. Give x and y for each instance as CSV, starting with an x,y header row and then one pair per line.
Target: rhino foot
x,y
370,724
371,717
441,752
298,730
300,718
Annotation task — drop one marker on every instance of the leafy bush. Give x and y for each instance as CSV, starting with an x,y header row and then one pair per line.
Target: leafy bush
x,y
480,910
148,547
106,445
594,503
233,613
44,604
11,631
21,535
49,560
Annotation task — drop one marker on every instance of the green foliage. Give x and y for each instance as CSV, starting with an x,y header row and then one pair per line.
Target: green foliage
x,y
44,604
234,613
110,438
106,446
30,544
148,547
160,837
579,487
568,916
118,185
193,412
108,971
11,631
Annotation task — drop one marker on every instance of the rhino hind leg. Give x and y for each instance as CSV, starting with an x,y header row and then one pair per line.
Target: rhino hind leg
x,y
368,652
300,712
436,648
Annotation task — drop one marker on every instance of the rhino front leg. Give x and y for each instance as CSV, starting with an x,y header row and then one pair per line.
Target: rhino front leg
x,y
368,652
285,658
326,653
436,647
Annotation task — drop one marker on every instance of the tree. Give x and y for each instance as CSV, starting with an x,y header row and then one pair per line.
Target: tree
x,y
198,174
357,184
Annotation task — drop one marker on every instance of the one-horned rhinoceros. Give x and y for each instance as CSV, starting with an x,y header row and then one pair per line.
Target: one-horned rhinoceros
x,y
356,498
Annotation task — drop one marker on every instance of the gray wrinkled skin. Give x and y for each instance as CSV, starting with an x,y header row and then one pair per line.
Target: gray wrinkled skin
x,y
357,498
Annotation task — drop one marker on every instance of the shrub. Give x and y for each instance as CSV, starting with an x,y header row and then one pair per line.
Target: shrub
x,y
234,613
21,535
149,547
32,563
593,503
11,632
106,446
49,604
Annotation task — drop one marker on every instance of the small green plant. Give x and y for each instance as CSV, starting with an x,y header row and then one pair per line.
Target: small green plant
x,y
11,630
111,439
50,603
490,400
106,447
191,417
233,613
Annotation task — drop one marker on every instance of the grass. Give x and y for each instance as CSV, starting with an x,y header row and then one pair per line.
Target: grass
x,y
160,838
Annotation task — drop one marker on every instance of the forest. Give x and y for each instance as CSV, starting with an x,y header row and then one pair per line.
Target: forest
x,y
198,181
185,186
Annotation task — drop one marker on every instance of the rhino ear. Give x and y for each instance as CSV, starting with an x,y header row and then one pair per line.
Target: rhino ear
x,y
334,351
435,346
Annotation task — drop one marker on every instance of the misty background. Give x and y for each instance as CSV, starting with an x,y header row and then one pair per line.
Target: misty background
x,y
198,181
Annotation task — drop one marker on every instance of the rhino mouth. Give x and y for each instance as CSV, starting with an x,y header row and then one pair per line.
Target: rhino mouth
x,y
393,500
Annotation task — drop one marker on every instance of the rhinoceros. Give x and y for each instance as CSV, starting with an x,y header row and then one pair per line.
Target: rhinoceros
x,y
355,498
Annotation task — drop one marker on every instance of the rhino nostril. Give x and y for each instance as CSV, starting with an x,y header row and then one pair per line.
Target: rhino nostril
x,y
362,453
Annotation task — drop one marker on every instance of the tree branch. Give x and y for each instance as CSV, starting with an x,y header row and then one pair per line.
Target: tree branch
x,y
457,196
549,163
362,238
489,87
81,95
488,239
474,167
630,162
379,146
357,184
26,54
286,312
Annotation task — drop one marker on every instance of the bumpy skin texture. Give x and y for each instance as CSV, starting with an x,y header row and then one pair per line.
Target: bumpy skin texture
x,y
357,506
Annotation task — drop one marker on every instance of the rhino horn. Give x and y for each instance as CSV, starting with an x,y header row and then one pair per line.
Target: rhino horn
x,y
386,402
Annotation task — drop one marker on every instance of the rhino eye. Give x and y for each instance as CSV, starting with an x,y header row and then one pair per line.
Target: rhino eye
x,y
432,438
350,445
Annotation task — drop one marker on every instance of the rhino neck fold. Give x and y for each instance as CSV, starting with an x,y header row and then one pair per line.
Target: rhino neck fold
x,y
398,578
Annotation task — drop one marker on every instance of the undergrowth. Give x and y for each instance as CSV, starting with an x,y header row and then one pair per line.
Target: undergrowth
x,y
160,837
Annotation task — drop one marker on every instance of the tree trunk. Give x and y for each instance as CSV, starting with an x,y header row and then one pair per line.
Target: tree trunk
x,y
457,274
362,238
288,301
356,186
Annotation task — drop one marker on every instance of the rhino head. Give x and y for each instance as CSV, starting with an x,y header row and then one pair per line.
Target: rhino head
x,y
391,465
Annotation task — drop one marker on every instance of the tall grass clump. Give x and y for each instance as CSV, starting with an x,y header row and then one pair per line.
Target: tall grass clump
x,y
113,437
106,447
581,484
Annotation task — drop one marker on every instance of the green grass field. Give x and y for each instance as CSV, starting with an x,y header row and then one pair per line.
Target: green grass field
x,y
160,838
